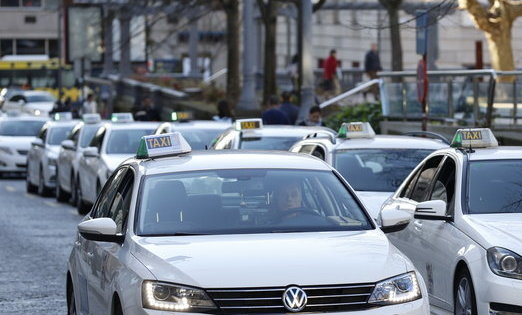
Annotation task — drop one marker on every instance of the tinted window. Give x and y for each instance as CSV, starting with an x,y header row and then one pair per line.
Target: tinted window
x,y
377,169
126,141
198,139
247,201
425,178
20,128
495,186
268,143
39,98
58,134
87,134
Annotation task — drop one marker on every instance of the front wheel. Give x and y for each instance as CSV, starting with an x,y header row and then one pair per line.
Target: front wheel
x,y
81,205
71,302
464,295
29,187
61,195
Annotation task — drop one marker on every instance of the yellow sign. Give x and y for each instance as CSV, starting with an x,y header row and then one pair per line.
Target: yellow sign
x,y
471,135
159,142
250,124
355,127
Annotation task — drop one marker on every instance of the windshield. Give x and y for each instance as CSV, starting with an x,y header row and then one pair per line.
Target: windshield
x,y
198,139
268,143
247,201
495,186
87,134
20,128
58,134
377,169
126,141
39,98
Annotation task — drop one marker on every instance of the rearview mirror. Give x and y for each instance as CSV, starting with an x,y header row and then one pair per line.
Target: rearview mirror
x,y
100,229
394,220
91,152
431,210
68,145
38,143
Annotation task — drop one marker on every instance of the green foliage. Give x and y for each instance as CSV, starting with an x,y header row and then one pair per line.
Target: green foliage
x,y
370,112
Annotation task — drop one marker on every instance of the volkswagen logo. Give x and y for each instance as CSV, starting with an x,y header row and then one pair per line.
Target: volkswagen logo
x,y
294,299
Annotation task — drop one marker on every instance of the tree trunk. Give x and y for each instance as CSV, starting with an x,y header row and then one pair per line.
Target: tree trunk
x,y
501,52
395,37
269,78
233,55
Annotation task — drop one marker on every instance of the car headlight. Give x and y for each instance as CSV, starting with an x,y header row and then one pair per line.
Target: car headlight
x,y
505,263
400,289
170,297
5,150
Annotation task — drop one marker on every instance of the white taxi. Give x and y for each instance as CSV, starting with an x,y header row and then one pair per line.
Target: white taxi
x,y
466,237
42,156
16,135
69,157
238,232
251,134
374,165
112,143
198,133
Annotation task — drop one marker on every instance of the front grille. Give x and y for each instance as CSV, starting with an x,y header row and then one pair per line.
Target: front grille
x,y
324,298
22,152
21,165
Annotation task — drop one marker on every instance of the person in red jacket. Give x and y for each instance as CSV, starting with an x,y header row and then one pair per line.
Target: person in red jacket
x,y
330,72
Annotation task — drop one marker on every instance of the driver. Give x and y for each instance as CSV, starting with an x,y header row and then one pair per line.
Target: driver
x,y
288,196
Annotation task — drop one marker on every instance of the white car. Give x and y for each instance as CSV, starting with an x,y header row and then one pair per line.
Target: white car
x,y
251,134
237,232
112,144
69,157
37,103
374,165
466,237
16,135
42,156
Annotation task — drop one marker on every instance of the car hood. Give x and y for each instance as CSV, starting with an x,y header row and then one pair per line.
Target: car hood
x,y
373,201
113,160
264,260
17,143
502,229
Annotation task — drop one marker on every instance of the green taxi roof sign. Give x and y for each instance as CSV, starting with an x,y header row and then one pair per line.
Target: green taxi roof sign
x,y
474,138
356,130
246,124
91,118
62,116
180,116
122,117
166,144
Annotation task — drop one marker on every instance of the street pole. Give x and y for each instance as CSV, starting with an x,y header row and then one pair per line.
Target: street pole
x,y
247,100
108,18
193,45
125,62
307,85
60,64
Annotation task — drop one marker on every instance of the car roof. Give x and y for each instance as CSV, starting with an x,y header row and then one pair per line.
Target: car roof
x,y
286,130
203,124
132,125
230,159
24,118
34,92
493,153
389,142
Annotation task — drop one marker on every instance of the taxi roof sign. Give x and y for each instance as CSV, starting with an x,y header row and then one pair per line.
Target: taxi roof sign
x,y
245,124
356,130
179,116
62,116
474,138
91,118
166,144
122,117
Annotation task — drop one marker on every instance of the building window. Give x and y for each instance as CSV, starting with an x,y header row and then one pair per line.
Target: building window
x,y
31,3
20,3
30,46
30,19
53,48
9,3
6,47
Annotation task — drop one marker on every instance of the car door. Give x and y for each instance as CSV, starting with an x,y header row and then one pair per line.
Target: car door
x,y
93,260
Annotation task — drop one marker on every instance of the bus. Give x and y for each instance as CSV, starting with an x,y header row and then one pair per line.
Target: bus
x,y
38,72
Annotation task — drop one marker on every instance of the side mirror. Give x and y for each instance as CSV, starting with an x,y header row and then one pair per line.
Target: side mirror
x,y
38,143
394,220
431,210
91,152
100,229
68,145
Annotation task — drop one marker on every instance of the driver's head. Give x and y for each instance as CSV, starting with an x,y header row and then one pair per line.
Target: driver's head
x,y
288,195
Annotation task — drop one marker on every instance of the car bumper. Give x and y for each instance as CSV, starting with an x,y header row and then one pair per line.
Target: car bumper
x,y
498,295
13,163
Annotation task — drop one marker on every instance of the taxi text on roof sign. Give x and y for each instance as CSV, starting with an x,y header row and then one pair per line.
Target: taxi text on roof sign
x,y
122,117
91,118
356,130
162,145
244,124
175,116
62,116
474,138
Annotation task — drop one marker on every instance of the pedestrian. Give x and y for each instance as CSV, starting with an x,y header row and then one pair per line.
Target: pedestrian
x,y
223,112
273,115
89,106
330,83
372,65
314,118
147,111
293,72
288,108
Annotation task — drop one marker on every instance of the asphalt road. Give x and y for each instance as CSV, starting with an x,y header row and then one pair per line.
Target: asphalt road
x,y
36,237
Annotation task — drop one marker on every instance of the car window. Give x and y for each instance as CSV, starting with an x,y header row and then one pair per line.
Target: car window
x,y
73,136
247,201
87,134
40,98
20,128
97,140
121,202
425,178
268,143
103,204
199,138
43,133
125,141
58,134
444,186
225,141
16,98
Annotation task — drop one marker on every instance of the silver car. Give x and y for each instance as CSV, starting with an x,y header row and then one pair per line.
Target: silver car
x,y
198,133
41,159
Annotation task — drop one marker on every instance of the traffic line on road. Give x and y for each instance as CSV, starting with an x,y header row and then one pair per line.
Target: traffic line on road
x,y
10,188
30,196
51,204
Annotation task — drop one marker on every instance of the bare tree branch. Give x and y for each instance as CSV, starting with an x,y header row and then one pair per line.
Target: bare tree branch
x,y
479,14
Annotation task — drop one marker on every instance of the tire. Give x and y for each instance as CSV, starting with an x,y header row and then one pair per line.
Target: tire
x,y
74,194
29,187
61,195
81,205
71,301
464,295
117,307
42,189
